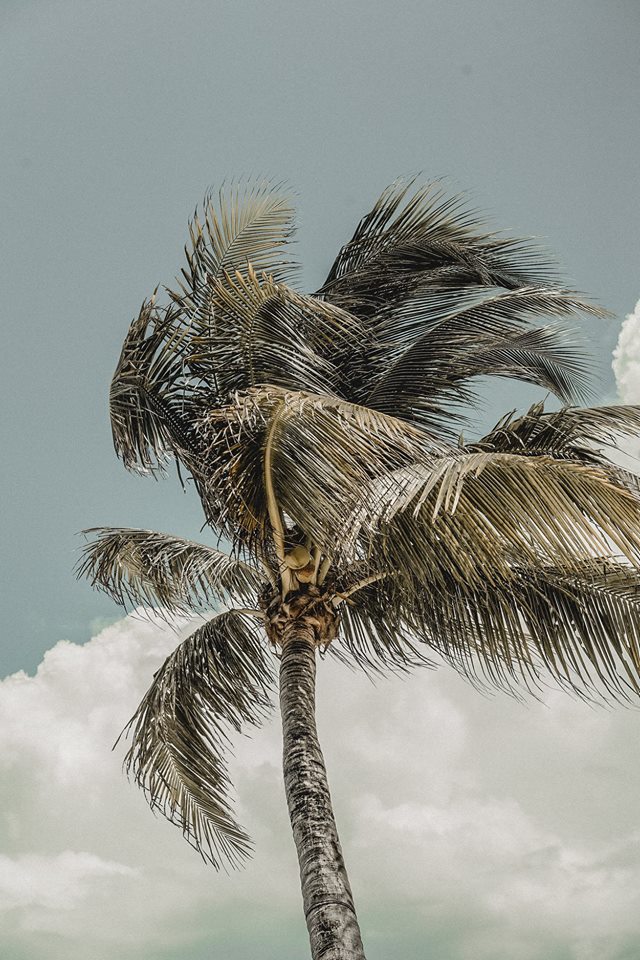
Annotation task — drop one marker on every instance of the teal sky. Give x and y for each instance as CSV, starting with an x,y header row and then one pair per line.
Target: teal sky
x,y
115,118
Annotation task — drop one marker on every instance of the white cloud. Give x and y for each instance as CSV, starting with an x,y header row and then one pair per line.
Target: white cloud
x,y
472,828
626,358
626,369
56,882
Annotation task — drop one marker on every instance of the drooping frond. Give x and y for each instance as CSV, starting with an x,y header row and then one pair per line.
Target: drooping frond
x,y
469,517
216,681
418,237
373,635
431,379
322,451
580,627
150,391
155,569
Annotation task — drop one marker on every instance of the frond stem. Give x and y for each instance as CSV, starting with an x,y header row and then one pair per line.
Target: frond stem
x,y
275,515
343,595
324,569
250,612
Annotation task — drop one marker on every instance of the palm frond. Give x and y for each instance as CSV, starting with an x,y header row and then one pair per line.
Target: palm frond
x,y
475,313
580,627
258,331
322,451
247,224
415,237
577,627
156,569
475,515
572,433
373,636
151,392
218,679
430,381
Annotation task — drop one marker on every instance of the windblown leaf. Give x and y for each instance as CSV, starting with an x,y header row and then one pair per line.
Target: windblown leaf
x,y
151,392
420,258
414,238
572,433
155,569
580,627
432,377
248,225
474,313
262,332
216,681
323,450
475,515
373,635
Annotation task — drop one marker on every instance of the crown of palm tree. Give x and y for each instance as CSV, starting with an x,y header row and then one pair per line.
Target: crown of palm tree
x,y
321,433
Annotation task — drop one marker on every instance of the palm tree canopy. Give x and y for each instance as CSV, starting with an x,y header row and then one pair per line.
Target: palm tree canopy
x,y
321,434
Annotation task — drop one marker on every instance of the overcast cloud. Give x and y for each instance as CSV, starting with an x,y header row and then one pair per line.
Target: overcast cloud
x,y
473,828
626,358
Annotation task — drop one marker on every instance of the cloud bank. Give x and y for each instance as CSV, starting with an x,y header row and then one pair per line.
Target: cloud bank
x,y
472,828
626,358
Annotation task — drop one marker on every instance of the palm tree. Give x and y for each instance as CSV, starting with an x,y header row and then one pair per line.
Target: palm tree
x,y
321,433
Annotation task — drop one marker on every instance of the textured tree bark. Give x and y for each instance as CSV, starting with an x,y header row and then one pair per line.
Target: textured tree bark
x,y
328,903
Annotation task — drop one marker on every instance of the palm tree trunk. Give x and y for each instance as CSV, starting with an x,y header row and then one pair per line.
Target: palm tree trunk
x,y
328,903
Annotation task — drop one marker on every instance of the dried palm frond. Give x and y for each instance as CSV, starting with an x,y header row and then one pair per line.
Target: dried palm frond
x,y
216,681
155,569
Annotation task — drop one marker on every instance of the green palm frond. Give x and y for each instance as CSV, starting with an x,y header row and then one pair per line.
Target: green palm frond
x,y
415,237
216,681
420,259
155,388
430,348
155,569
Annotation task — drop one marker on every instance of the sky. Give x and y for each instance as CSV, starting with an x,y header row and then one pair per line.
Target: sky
x,y
472,828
